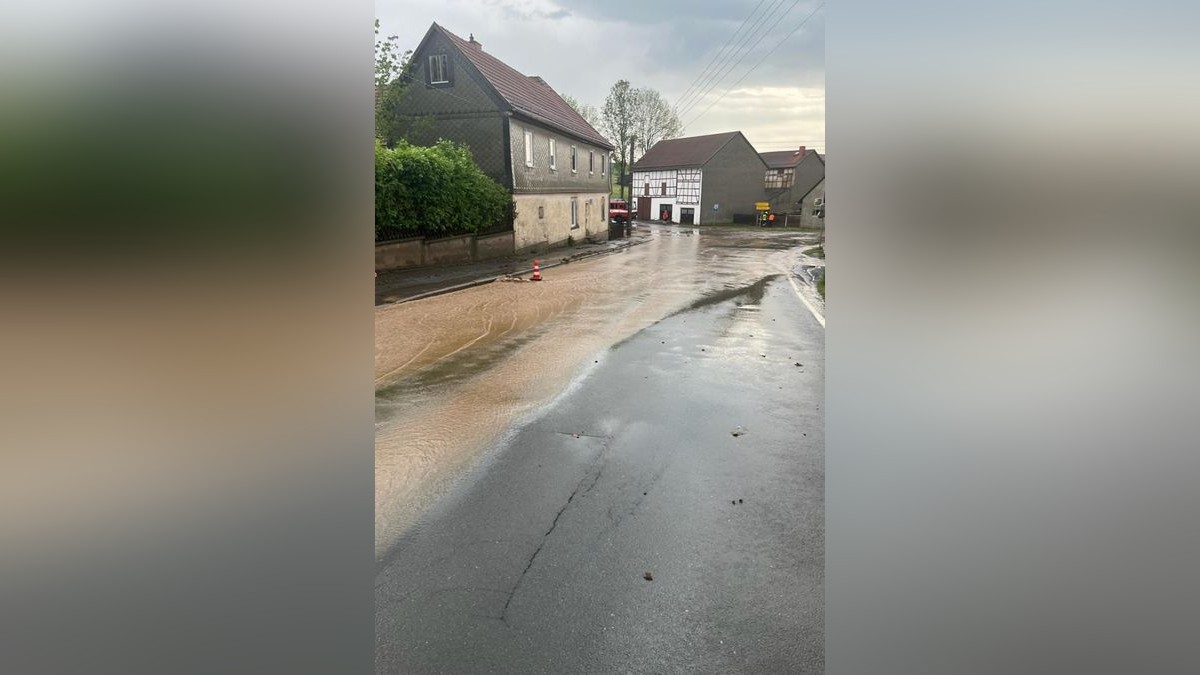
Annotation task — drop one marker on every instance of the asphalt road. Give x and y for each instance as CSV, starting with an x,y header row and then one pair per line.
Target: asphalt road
x,y
534,561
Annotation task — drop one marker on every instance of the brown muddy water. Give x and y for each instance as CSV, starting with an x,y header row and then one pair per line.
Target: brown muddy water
x,y
454,372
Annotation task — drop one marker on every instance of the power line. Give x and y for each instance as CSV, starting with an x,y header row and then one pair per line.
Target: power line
x,y
727,67
719,51
710,70
733,65
720,69
749,49
760,62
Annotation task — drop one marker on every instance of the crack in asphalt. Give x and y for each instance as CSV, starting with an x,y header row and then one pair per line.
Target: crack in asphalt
x,y
594,473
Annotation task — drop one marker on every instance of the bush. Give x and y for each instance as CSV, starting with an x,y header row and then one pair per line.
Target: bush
x,y
435,191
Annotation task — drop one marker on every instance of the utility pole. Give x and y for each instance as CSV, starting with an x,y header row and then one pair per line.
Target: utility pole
x,y
629,165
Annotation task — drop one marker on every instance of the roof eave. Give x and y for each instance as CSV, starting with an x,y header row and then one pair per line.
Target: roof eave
x,y
521,112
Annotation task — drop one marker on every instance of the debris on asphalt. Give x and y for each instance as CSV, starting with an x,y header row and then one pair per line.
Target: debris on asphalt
x,y
738,431
799,364
648,576
739,500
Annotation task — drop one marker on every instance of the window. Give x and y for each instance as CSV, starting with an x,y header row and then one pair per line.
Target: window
x,y
664,188
528,148
646,190
591,162
439,73
780,178
603,164
553,156
574,212
574,162
541,212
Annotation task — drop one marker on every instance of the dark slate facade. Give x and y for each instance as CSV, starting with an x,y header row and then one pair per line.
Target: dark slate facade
x,y
487,105
461,93
464,110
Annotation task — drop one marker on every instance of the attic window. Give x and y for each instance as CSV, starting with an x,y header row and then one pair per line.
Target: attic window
x,y
591,162
574,160
439,73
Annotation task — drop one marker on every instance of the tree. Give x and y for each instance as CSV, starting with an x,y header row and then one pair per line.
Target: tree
x,y
391,78
587,112
617,120
653,120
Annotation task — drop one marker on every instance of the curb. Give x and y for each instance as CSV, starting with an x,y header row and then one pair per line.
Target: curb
x,y
488,280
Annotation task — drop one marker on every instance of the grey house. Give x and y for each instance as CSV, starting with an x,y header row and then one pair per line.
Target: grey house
x,y
812,207
790,176
699,180
521,133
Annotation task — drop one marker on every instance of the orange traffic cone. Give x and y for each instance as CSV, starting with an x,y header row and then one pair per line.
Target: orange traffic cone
x,y
537,274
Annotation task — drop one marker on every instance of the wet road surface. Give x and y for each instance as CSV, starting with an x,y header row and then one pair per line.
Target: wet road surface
x,y
455,372
542,449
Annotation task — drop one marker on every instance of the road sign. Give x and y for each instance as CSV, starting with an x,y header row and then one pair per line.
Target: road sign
x,y
716,207
762,206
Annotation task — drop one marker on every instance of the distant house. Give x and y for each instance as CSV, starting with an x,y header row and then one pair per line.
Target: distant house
x,y
812,207
698,180
791,174
521,133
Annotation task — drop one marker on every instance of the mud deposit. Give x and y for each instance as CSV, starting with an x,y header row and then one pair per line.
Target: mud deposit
x,y
455,372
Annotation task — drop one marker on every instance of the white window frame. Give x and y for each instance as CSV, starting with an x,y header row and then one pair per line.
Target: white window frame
x,y
553,156
444,62
574,213
603,165
591,163
574,160
528,147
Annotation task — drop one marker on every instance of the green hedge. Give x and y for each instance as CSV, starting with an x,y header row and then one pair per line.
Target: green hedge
x,y
435,191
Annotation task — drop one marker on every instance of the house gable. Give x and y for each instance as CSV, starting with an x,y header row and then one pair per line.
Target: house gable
x,y
465,91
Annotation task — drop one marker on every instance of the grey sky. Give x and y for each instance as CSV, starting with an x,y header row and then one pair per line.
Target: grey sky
x,y
581,47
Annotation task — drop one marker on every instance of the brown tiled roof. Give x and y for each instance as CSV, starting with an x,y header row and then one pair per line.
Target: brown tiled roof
x,y
529,96
676,152
784,158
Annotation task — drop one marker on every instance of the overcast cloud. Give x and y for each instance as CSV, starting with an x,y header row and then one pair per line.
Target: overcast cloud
x,y
581,47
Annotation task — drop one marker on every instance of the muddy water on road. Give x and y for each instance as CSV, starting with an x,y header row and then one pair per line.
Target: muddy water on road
x,y
455,371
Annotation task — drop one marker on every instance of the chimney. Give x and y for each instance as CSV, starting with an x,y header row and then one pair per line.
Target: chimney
x,y
801,153
476,45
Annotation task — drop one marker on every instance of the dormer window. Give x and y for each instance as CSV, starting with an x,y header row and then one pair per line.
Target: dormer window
x,y
439,71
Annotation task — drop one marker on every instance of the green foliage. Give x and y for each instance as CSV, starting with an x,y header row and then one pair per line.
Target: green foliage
x,y
434,191
392,74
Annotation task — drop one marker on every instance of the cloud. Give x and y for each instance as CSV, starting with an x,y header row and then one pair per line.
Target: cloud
x,y
581,47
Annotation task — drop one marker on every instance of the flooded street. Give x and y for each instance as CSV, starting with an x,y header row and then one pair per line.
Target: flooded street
x,y
456,372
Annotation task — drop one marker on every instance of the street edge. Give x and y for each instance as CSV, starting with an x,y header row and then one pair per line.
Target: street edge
x,y
488,280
